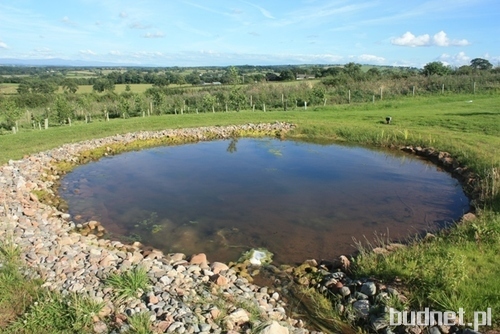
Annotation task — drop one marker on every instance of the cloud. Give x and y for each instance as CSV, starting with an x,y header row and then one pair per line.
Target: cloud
x,y
408,39
3,45
253,33
158,34
88,52
455,60
123,15
263,11
137,25
371,59
115,53
67,21
439,39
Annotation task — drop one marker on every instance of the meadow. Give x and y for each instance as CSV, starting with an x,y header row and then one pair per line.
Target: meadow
x,y
457,268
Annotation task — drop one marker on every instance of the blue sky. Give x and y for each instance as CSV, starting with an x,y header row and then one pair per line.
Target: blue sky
x,y
254,32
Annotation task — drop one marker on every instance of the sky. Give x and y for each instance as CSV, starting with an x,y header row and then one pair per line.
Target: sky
x,y
254,32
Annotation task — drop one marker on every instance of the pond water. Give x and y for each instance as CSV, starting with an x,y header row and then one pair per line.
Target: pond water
x,y
299,200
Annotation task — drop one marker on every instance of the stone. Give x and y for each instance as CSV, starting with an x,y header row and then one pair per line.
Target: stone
x,y
344,291
240,316
153,299
362,308
369,289
29,212
274,328
217,267
434,330
100,327
199,259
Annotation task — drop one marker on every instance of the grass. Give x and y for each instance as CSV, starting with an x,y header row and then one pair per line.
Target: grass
x,y
129,284
457,268
25,307
453,270
140,323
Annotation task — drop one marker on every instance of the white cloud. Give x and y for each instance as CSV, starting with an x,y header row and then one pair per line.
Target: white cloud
x,y
123,15
3,45
439,39
408,39
88,52
158,34
371,59
115,53
458,59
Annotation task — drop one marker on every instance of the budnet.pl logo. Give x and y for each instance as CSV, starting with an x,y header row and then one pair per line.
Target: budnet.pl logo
x,y
432,318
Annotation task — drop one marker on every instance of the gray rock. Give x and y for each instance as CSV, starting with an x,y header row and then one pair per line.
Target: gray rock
x,y
369,289
362,308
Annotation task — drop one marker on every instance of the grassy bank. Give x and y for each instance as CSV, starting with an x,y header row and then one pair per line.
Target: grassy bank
x,y
456,268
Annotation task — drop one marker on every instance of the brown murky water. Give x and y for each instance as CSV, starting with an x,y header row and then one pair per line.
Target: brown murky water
x,y
299,200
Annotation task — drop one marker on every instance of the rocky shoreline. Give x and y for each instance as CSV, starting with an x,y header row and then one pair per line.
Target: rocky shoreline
x,y
188,293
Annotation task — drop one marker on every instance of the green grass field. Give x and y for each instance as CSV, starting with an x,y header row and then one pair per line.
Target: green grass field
x,y
458,268
8,89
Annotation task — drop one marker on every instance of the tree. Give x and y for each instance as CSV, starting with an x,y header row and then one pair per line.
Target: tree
x,y
436,68
70,86
23,88
464,70
193,78
287,75
231,76
480,64
353,70
103,84
11,113
236,99
209,102
62,109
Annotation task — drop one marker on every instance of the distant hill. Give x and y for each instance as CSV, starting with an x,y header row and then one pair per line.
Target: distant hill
x,y
60,62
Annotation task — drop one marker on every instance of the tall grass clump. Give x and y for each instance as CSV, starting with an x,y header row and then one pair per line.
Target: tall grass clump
x,y
130,284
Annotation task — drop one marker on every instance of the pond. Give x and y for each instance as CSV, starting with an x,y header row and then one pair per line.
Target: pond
x,y
299,200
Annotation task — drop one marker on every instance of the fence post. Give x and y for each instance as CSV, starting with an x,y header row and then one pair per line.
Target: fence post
x,y
349,96
413,90
46,121
14,130
381,96
474,88
442,89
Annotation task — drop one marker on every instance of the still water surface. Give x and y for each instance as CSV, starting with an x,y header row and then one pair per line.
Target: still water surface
x,y
299,200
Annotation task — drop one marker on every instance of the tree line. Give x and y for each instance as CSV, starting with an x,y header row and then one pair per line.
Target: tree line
x,y
37,100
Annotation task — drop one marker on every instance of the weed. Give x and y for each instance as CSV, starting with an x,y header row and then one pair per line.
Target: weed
x,y
53,313
130,284
140,323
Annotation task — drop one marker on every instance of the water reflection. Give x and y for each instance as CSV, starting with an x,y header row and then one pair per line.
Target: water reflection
x,y
299,200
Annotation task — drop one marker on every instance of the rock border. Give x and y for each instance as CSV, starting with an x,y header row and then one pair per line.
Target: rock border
x,y
182,298
187,295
